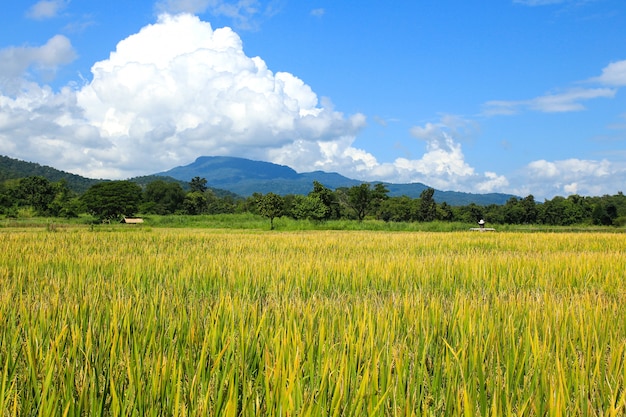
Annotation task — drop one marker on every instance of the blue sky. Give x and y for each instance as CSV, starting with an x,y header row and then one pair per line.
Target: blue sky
x,y
514,96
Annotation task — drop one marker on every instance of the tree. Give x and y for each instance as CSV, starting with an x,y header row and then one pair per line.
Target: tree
x,y
604,213
36,192
217,205
379,196
271,206
162,197
397,209
363,199
112,199
444,212
66,203
471,213
427,206
530,209
359,199
513,211
198,184
195,203
309,207
328,198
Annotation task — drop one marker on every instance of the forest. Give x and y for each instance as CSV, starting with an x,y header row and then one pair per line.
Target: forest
x,y
113,200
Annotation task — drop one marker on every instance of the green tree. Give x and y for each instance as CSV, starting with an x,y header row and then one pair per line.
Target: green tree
x,y
379,196
66,203
397,209
6,199
604,213
362,199
163,197
111,200
195,202
328,198
359,199
471,213
219,205
563,211
529,207
198,184
427,206
309,207
36,192
513,211
444,212
270,205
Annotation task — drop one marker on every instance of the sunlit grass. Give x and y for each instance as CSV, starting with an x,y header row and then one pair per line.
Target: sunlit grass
x,y
214,322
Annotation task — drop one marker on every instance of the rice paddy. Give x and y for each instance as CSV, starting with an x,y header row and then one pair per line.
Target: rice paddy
x,y
153,322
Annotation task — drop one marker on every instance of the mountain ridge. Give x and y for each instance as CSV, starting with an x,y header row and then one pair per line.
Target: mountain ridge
x,y
245,176
227,175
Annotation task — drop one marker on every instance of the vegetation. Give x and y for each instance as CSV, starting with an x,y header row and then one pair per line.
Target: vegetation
x,y
14,169
197,322
38,196
271,206
112,200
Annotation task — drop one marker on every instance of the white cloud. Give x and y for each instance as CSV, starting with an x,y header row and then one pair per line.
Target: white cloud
x,y
243,13
613,74
567,101
14,61
46,127
570,176
179,89
174,91
318,12
443,165
46,9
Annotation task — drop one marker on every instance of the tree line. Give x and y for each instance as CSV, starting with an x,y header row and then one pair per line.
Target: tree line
x,y
111,200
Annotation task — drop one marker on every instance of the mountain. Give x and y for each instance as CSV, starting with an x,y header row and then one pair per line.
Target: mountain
x,y
245,177
15,169
230,176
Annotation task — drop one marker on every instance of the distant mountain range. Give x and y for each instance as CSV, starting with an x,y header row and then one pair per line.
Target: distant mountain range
x,y
243,177
14,169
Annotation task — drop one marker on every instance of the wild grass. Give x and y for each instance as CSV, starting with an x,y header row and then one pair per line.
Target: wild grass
x,y
346,323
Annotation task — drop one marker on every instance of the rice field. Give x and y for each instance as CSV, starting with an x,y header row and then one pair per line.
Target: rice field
x,y
163,322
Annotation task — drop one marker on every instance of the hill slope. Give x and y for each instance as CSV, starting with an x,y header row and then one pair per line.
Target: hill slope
x,y
14,169
245,177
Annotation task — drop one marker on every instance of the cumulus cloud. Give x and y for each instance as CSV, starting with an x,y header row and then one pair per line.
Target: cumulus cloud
x,y
175,90
179,89
443,165
570,176
46,9
57,51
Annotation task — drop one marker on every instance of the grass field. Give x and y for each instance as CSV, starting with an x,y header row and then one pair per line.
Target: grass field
x,y
158,321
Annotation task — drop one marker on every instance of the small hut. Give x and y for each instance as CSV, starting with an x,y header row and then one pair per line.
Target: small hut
x,y
132,220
